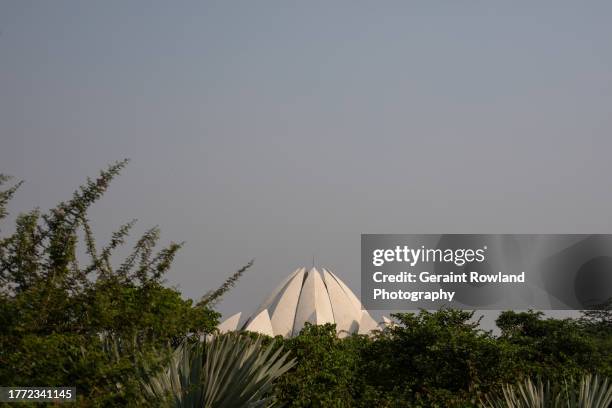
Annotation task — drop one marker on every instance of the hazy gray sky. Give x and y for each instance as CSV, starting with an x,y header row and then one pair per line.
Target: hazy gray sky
x,y
283,130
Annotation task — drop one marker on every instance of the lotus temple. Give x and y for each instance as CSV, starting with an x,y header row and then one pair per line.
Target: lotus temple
x,y
313,296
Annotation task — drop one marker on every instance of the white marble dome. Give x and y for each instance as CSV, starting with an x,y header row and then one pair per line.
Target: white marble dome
x,y
306,296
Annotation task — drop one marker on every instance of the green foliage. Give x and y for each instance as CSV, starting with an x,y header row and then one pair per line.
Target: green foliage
x,y
229,370
327,371
545,347
590,392
597,326
432,359
439,359
57,312
6,195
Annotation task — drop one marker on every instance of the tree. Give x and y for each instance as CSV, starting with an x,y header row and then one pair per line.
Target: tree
x,y
327,369
431,359
554,348
57,312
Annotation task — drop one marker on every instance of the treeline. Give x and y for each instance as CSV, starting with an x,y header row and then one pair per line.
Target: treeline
x,y
442,359
112,328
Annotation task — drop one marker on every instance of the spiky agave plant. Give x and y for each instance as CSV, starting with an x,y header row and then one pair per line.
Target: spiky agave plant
x,y
595,392
590,392
229,370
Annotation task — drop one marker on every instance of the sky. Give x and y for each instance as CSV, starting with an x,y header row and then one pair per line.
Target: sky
x,y
280,131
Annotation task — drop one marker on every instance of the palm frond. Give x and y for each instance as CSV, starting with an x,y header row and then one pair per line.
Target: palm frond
x,y
230,370
590,392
